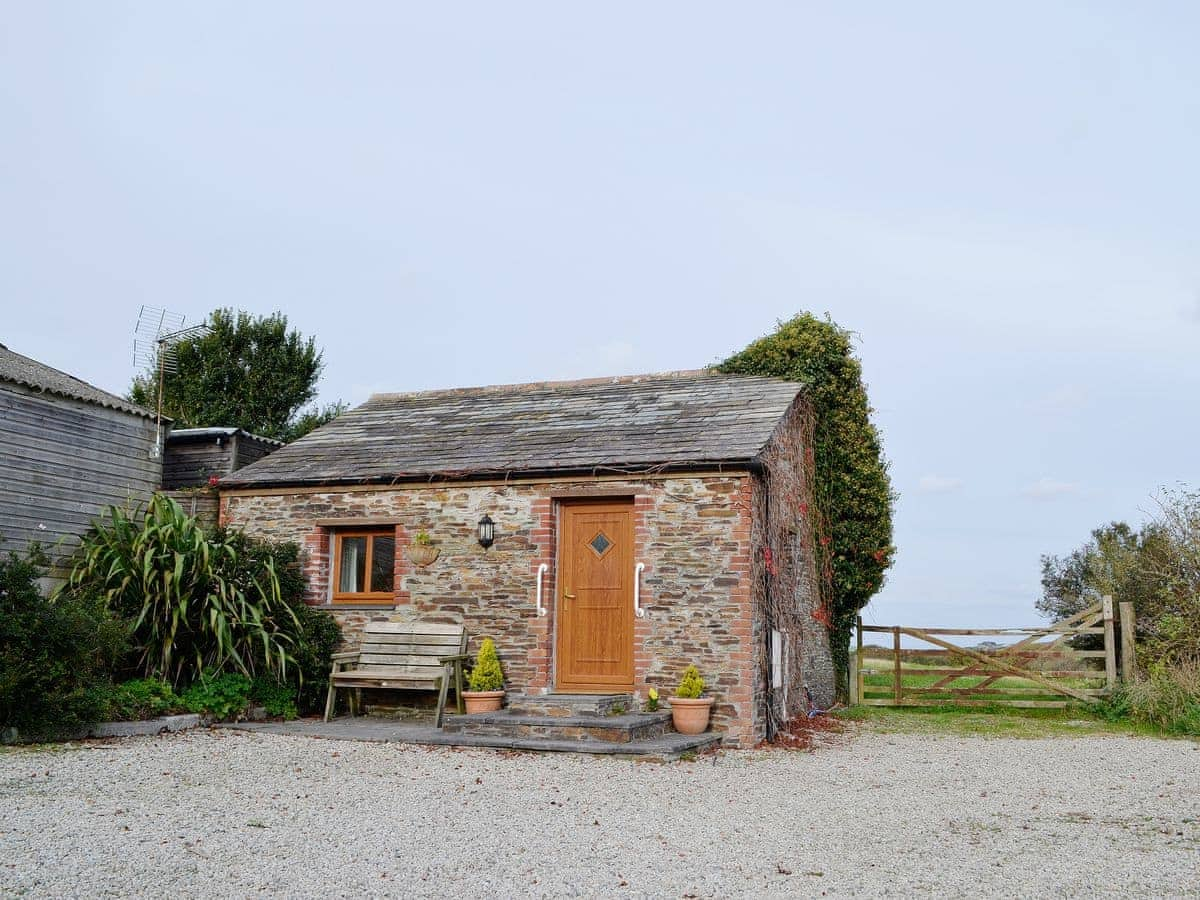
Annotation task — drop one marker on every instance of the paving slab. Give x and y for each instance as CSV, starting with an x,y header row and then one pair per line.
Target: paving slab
x,y
145,726
662,748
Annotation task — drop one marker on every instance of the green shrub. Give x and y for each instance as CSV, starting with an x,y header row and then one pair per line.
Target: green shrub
x,y
55,657
314,632
196,606
691,686
224,696
1113,708
142,698
486,674
1168,699
1156,568
852,493
279,700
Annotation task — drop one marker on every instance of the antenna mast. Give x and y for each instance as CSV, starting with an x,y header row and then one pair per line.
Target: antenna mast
x,y
157,337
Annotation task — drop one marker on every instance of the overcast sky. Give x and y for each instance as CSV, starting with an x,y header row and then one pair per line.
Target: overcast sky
x,y
1002,203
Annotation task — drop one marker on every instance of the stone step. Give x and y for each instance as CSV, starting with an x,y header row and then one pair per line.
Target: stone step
x,y
570,705
666,747
621,729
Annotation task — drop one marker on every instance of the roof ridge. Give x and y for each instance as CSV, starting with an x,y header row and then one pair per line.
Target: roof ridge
x,y
554,385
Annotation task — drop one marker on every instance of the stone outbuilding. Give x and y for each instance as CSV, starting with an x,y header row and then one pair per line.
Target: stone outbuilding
x,y
638,524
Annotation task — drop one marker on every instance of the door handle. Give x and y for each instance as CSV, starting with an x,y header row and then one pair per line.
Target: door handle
x,y
542,570
567,596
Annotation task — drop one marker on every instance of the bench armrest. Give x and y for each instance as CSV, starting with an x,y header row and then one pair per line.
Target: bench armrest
x,y
458,657
342,658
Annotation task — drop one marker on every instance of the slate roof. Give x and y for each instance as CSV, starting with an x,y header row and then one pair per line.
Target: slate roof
x,y
22,370
678,419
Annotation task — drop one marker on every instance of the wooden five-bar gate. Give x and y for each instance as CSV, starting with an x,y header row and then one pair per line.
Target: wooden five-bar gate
x,y
1041,669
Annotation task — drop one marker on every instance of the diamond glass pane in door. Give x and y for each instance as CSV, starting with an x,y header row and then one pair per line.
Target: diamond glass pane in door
x,y
600,543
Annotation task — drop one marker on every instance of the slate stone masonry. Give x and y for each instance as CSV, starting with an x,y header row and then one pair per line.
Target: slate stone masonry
x,y
692,532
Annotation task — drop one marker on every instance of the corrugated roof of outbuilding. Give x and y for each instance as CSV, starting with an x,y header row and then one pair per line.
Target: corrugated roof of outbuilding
x,y
22,370
190,434
631,423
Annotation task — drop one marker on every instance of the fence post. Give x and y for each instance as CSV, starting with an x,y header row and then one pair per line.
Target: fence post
x,y
896,651
852,678
858,663
1128,651
1110,645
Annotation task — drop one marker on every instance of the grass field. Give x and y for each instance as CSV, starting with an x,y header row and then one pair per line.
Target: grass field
x,y
989,722
879,675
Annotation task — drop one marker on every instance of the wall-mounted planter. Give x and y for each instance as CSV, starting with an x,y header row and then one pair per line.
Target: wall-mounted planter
x,y
422,554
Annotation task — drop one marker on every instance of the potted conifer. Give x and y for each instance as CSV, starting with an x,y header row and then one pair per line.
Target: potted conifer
x,y
486,682
689,710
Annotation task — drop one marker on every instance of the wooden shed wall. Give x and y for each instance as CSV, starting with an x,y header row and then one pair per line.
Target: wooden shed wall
x,y
189,463
251,450
62,461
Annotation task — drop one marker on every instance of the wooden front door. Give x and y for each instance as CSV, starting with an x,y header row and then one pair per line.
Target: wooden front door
x,y
595,597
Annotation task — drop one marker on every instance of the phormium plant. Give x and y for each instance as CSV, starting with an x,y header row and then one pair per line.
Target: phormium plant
x,y
314,632
194,606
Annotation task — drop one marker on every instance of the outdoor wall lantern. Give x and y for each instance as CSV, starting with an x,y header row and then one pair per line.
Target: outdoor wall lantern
x,y
487,531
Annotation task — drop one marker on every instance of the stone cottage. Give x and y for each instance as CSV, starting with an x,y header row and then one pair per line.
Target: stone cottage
x,y
640,524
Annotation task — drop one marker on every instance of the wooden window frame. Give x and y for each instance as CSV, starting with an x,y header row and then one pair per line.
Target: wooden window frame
x,y
376,598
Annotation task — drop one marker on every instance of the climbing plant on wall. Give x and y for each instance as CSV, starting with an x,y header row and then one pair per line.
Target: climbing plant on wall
x,y
850,485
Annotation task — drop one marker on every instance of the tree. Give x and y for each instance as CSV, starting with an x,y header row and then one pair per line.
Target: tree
x,y
1157,568
1106,565
851,488
248,372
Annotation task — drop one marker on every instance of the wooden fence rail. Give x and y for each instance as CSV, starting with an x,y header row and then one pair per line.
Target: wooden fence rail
x,y
1040,669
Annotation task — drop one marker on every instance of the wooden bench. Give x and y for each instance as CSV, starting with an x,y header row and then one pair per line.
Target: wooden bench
x,y
402,656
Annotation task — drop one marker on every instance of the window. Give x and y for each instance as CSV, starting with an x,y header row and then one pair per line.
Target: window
x,y
364,567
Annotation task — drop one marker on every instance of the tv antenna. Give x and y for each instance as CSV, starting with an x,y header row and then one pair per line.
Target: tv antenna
x,y
156,341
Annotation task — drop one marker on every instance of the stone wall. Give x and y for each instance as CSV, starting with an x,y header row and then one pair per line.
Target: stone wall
x,y
692,532
786,591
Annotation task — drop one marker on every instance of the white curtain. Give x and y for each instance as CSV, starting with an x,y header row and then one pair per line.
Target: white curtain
x,y
352,565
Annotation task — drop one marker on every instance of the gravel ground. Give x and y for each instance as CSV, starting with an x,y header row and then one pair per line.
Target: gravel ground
x,y
221,813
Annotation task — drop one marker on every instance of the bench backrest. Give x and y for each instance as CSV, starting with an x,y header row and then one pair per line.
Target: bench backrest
x,y
409,648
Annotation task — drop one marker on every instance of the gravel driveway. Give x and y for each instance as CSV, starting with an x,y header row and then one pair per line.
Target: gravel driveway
x,y
232,814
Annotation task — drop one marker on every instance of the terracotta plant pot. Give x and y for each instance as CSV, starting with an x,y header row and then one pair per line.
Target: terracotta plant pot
x,y
691,716
483,701
422,554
